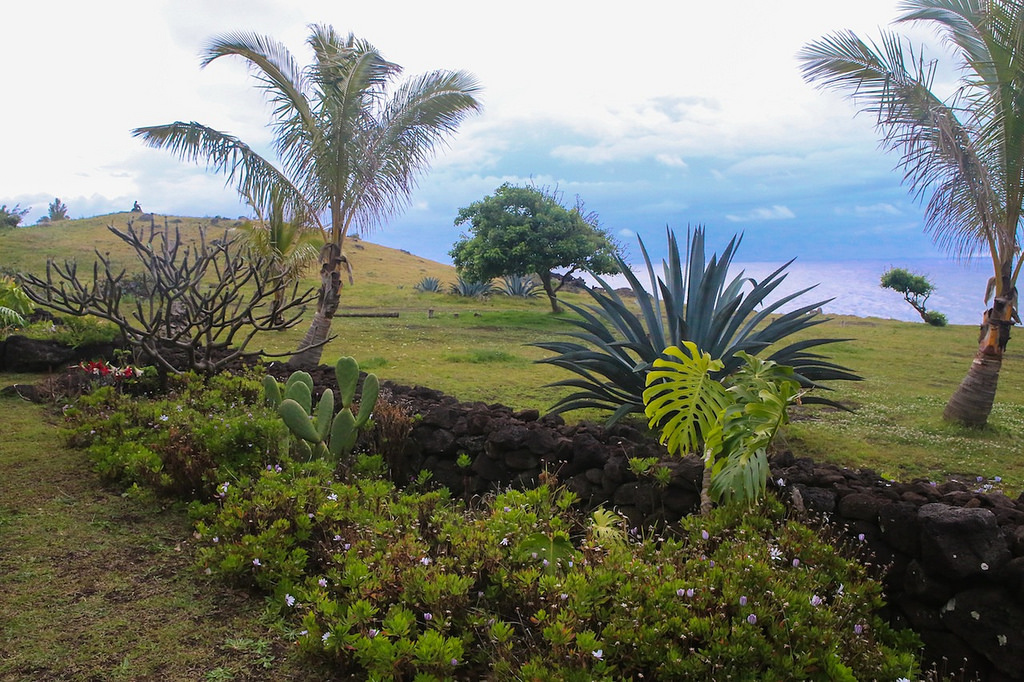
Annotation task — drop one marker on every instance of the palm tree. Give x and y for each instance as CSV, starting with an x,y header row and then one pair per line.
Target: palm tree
x,y
965,152
289,247
349,149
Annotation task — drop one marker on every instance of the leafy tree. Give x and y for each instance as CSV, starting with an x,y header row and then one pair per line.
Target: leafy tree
x,y
527,230
350,148
11,217
965,152
915,289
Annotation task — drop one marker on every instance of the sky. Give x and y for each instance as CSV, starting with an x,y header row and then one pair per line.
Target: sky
x,y
654,113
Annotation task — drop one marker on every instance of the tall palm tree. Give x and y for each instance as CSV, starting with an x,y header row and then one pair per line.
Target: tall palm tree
x,y
350,149
966,152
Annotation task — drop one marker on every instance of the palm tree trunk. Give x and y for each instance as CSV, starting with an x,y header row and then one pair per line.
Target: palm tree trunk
x,y
328,300
972,401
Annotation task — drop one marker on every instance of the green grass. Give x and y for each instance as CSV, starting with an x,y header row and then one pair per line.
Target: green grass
x,y
97,585
477,350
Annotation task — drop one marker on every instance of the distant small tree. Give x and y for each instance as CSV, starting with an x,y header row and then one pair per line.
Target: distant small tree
x,y
11,217
528,230
58,210
915,289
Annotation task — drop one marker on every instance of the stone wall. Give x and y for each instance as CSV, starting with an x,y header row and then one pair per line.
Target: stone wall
x,y
22,354
951,558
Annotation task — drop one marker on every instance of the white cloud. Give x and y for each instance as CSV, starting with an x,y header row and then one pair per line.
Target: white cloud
x,y
671,160
883,209
764,213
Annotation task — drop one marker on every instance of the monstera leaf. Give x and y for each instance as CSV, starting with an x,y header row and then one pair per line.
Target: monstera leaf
x,y
682,399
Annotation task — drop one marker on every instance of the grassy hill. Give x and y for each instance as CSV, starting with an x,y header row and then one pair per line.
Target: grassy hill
x,y
476,350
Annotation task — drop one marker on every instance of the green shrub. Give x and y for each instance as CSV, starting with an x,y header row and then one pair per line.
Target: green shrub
x,y
392,584
182,444
935,319
12,297
74,331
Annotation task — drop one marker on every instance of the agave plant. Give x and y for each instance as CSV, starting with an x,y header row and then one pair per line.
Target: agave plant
x,y
694,300
463,287
428,284
519,286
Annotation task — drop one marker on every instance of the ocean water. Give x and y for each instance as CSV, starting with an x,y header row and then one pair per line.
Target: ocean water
x,y
854,288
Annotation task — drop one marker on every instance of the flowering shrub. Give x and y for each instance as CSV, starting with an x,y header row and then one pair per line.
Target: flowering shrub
x,y
382,583
396,584
183,443
105,373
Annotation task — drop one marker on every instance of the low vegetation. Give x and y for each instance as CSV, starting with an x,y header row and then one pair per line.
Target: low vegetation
x,y
377,582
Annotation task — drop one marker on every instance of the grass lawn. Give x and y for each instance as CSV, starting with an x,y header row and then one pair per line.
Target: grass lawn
x,y
97,585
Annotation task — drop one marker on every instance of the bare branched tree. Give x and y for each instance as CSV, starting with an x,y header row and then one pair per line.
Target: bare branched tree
x,y
207,298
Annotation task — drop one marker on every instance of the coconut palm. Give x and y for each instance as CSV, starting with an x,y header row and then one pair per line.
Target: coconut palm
x,y
350,149
965,152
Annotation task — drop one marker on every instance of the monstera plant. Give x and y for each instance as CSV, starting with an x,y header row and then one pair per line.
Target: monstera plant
x,y
696,299
730,423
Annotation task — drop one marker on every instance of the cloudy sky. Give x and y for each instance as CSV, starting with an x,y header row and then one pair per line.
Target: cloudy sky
x,y
654,113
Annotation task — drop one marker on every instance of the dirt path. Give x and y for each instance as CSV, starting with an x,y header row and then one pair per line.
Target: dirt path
x,y
97,586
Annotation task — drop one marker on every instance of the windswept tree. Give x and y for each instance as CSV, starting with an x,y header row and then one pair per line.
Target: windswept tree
x,y
524,230
11,217
350,147
916,290
964,152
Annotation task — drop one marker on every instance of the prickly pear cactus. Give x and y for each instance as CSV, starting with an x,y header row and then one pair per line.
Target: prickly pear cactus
x,y
319,430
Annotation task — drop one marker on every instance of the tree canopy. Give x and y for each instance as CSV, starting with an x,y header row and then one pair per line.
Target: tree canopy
x,y
915,289
527,230
11,217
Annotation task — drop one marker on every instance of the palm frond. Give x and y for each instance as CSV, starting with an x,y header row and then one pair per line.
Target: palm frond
x,y
965,153
255,178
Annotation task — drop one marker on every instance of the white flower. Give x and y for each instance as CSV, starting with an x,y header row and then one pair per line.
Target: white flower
x,y
598,654
289,600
